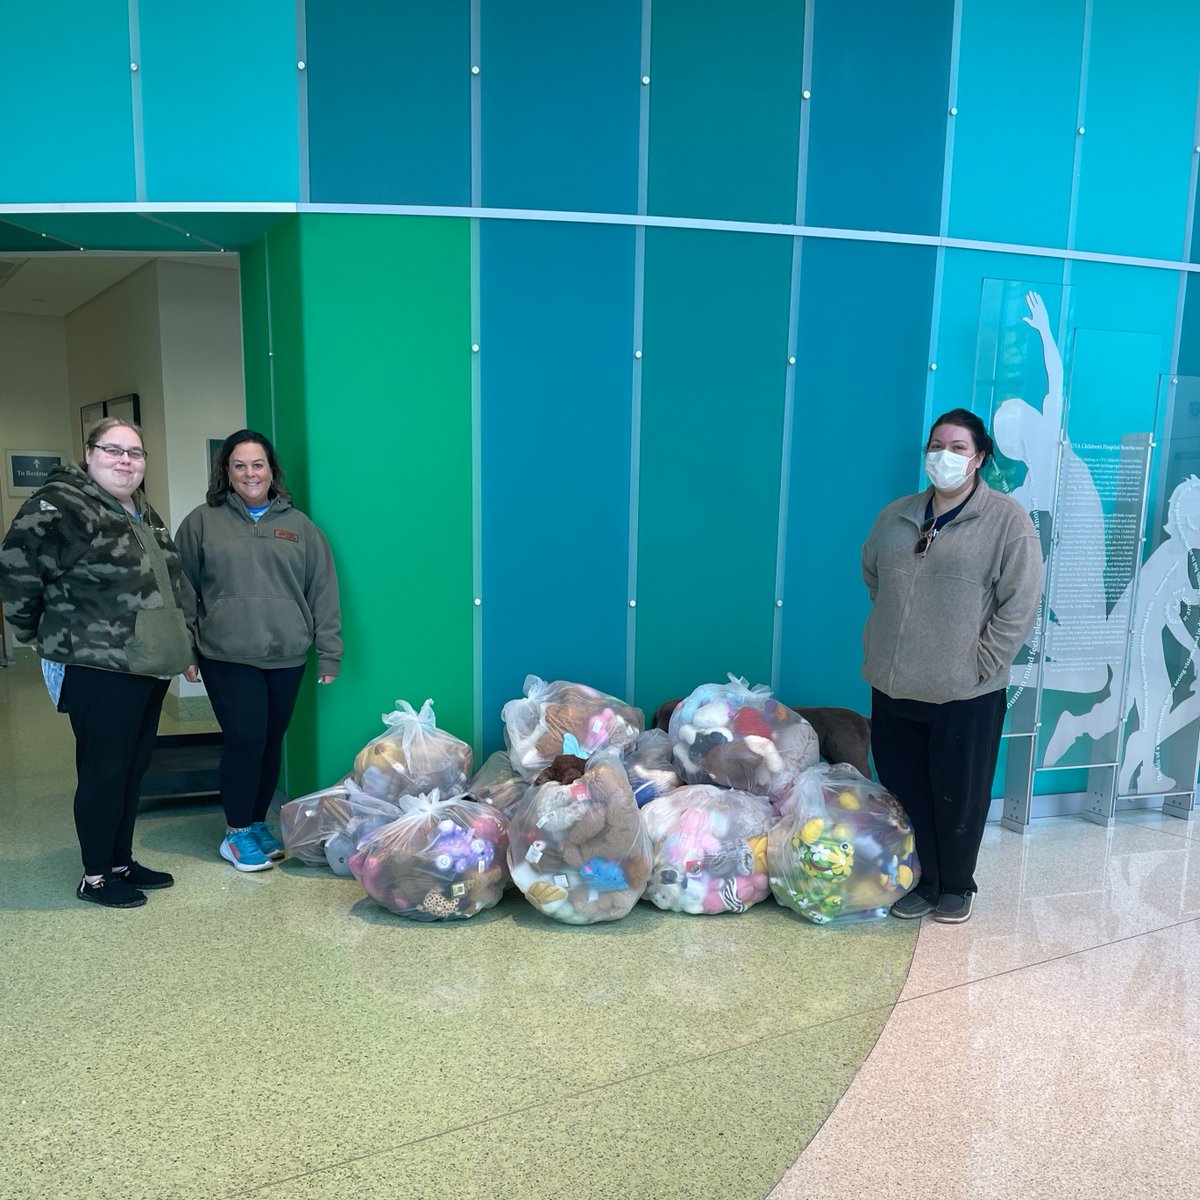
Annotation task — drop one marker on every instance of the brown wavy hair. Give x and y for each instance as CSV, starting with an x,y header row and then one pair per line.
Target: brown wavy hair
x,y
218,484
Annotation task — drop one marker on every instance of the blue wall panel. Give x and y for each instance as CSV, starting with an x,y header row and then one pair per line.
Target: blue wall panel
x,y
219,101
1141,112
856,446
389,101
560,94
556,305
881,71
725,108
1189,342
1014,136
67,132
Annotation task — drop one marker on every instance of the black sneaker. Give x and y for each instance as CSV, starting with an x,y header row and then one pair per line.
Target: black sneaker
x,y
137,876
954,908
112,893
912,906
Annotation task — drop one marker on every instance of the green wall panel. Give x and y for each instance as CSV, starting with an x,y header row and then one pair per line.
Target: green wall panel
x,y
256,363
386,317
725,108
715,357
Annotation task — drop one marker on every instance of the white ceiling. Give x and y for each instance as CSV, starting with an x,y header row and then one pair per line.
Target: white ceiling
x,y
54,285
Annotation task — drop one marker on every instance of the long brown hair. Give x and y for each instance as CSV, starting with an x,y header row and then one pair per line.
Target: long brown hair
x,y
218,484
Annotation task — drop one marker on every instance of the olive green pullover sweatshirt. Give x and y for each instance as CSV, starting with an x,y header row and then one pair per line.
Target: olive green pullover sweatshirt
x,y
265,591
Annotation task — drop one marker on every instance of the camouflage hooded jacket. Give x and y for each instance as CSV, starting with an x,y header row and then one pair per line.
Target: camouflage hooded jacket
x,y
90,585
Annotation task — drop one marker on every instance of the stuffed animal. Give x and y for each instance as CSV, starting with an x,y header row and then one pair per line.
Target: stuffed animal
x,y
565,718
577,849
413,757
339,816
650,766
440,860
843,735
710,849
843,850
739,737
497,784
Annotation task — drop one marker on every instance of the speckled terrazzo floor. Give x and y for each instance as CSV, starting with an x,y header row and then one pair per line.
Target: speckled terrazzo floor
x,y
280,1035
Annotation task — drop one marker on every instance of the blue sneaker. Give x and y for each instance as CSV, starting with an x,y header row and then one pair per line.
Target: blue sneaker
x,y
241,848
268,843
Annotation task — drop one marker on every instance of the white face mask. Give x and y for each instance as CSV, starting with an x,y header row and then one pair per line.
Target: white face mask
x,y
947,470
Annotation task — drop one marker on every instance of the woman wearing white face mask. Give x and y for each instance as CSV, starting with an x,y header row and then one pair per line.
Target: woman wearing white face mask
x,y
955,574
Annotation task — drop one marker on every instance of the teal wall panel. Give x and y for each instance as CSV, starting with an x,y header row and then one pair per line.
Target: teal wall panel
x,y
67,132
725,108
556,309
856,444
878,127
220,100
389,101
1141,113
560,129
1014,135
712,420
1189,341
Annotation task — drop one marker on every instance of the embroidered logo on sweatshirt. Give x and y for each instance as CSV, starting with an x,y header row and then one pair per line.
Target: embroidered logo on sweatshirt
x,y
287,533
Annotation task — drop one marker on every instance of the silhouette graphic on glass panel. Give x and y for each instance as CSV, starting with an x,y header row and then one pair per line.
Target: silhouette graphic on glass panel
x,y
1065,489
1165,591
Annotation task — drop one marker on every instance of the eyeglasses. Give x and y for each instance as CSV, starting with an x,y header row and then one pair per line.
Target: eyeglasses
x,y
928,533
115,451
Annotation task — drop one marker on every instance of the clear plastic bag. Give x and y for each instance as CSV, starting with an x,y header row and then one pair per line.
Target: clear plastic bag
x,y
498,784
413,757
740,737
320,829
440,860
578,850
650,766
844,850
565,718
710,849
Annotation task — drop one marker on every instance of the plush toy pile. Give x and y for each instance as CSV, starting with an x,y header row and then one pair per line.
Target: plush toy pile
x,y
413,757
710,849
577,847
739,737
565,718
440,860
650,766
497,784
321,829
843,850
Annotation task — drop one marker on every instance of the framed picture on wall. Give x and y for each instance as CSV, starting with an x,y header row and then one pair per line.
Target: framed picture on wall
x,y
89,414
128,408
26,470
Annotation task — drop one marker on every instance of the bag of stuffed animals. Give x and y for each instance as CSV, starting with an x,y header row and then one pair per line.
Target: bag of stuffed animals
x,y
710,849
740,737
576,844
321,829
440,860
565,718
413,757
844,850
498,784
650,766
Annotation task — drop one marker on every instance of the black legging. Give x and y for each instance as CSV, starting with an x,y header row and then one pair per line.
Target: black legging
x,y
115,719
938,761
254,708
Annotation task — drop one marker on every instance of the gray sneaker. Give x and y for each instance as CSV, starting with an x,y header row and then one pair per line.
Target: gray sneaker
x,y
912,906
954,908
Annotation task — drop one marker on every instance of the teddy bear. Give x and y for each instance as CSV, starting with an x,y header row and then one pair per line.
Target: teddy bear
x,y
650,766
413,757
577,849
565,718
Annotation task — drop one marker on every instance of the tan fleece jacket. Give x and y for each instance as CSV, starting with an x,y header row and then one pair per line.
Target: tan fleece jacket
x,y
948,626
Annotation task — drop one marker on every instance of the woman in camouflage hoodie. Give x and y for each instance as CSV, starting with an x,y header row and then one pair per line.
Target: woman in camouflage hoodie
x,y
90,575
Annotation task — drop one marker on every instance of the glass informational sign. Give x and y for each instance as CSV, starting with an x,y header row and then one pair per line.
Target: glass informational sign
x,y
1074,448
